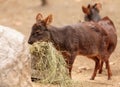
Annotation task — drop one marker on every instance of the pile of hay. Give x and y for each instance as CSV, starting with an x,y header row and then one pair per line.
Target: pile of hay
x,y
48,65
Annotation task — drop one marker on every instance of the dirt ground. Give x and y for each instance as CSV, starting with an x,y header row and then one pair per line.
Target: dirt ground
x,y
20,15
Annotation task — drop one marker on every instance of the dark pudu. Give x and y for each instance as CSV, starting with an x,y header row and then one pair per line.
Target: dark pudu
x,y
92,15
92,12
85,38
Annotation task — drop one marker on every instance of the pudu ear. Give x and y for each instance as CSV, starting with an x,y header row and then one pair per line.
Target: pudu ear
x,y
85,10
39,17
98,6
48,19
89,6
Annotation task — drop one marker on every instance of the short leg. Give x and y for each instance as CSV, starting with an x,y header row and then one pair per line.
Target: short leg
x,y
71,61
101,66
69,58
97,64
106,66
108,69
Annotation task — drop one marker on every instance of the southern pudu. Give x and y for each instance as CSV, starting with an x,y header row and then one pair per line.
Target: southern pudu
x,y
84,38
92,15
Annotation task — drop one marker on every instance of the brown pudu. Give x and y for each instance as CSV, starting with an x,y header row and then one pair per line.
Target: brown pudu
x,y
92,15
85,38
92,12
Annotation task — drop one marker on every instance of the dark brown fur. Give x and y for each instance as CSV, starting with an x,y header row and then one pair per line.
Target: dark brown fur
x,y
85,38
92,15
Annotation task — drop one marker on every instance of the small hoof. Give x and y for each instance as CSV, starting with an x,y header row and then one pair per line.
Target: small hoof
x,y
91,78
109,78
100,72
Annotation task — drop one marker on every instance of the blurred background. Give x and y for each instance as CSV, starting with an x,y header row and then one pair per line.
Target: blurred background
x,y
20,15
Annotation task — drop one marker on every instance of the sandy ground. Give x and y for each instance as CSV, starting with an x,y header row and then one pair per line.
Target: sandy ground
x,y
20,15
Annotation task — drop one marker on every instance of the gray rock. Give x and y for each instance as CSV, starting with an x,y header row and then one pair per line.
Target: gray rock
x,y
14,59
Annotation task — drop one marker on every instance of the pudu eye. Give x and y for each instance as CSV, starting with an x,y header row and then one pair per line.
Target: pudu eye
x,y
37,32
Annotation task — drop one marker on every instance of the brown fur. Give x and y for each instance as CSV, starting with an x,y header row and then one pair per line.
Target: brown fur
x,y
85,38
107,25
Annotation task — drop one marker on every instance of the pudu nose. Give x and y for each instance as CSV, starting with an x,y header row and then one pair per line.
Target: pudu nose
x,y
30,42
